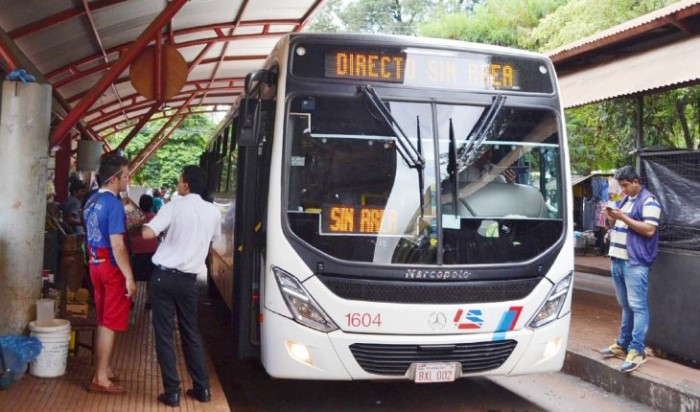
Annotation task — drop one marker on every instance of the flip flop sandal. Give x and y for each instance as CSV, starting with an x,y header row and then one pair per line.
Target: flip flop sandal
x,y
111,389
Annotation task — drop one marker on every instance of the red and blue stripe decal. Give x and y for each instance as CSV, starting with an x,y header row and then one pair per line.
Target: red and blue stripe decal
x,y
508,322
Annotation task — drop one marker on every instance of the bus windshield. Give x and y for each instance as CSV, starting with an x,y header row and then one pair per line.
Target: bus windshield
x,y
490,190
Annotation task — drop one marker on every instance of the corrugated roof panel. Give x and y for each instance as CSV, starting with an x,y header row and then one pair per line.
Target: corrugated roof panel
x,y
663,67
20,13
252,46
117,28
277,10
626,26
206,12
190,53
282,28
66,50
197,35
57,46
73,88
249,29
241,69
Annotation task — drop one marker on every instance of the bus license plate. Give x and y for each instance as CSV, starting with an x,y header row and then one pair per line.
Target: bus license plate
x,y
435,372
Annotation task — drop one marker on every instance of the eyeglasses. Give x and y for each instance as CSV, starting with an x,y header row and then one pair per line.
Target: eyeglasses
x,y
118,175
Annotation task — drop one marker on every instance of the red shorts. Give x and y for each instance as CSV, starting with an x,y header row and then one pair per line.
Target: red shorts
x,y
110,296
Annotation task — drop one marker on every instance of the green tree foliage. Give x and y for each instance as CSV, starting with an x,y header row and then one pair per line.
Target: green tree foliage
x,y
576,19
373,16
327,20
184,147
672,119
599,140
501,22
602,135
385,16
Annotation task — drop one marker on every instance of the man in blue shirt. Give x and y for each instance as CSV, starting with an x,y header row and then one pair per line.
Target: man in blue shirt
x,y
110,270
633,248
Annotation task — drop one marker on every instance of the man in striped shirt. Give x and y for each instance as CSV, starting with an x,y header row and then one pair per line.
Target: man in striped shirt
x,y
633,249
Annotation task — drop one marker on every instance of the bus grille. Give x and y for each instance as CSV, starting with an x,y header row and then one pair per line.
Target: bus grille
x,y
429,292
396,359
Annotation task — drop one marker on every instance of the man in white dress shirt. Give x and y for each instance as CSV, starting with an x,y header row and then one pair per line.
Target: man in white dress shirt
x,y
190,224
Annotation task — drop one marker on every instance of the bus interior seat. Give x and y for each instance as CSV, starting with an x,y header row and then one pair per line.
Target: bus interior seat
x,y
504,199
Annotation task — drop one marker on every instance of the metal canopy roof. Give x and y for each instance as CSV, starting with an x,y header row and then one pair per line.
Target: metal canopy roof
x,y
674,65
654,52
84,48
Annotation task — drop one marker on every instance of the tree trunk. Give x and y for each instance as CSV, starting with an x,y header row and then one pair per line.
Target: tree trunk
x,y
680,109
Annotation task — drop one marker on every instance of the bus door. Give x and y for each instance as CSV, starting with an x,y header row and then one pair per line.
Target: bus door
x,y
255,127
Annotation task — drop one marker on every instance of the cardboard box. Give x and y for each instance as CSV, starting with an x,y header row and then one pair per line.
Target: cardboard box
x,y
77,309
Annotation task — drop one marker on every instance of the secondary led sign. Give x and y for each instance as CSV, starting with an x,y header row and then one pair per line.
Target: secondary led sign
x,y
365,220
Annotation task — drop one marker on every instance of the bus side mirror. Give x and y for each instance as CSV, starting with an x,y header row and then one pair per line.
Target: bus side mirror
x,y
248,133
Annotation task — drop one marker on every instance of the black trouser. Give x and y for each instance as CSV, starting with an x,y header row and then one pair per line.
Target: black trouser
x,y
176,293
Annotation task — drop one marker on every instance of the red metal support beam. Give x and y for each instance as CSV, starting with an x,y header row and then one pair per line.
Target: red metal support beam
x,y
157,146
7,56
158,78
220,92
81,127
80,95
116,69
59,18
158,139
142,122
118,127
217,36
138,159
200,57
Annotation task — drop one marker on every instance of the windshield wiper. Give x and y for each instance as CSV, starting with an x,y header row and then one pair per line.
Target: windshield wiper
x,y
452,168
421,181
413,158
478,134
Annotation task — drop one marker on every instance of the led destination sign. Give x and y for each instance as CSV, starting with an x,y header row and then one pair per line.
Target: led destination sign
x,y
366,66
457,70
428,70
365,220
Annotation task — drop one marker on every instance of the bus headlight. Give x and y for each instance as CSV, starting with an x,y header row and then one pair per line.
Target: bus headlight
x,y
304,309
552,305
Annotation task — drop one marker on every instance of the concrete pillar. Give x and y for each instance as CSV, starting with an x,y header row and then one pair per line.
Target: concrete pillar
x,y
25,115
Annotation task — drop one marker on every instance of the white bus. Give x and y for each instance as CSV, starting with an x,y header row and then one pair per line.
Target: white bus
x,y
402,211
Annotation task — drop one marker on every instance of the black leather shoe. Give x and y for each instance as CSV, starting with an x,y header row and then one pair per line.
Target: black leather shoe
x,y
202,395
170,399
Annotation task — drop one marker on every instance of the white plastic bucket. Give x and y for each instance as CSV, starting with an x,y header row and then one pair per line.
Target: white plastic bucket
x,y
54,337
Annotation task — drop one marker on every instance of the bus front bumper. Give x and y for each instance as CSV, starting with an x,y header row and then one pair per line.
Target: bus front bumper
x,y
293,351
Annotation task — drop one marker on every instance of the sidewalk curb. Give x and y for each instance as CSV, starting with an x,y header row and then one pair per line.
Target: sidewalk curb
x,y
592,269
637,386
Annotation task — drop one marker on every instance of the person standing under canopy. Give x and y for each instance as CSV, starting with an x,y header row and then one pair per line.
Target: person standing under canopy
x,y
634,245
191,225
110,270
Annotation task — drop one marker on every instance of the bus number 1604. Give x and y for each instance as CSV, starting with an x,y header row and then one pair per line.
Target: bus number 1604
x,y
363,320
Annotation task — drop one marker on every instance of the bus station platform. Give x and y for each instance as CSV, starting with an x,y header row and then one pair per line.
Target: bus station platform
x,y
134,360
660,383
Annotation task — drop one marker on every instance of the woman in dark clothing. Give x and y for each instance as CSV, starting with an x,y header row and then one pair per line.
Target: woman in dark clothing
x,y
144,249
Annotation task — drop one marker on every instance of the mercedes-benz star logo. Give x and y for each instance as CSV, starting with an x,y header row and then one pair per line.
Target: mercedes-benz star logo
x,y
437,320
